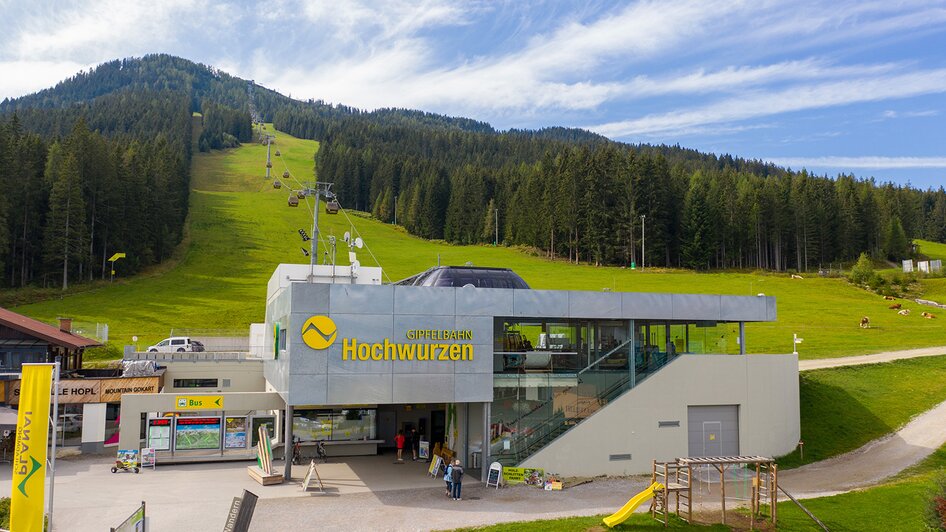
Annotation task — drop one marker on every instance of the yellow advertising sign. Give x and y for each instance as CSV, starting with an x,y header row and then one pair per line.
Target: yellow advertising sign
x,y
29,454
198,402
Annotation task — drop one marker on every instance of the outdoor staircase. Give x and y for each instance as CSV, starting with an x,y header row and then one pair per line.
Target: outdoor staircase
x,y
570,406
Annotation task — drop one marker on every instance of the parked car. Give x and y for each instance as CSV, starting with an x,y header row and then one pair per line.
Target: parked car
x,y
176,344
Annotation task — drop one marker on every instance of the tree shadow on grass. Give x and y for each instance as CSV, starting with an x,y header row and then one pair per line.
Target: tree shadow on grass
x,y
832,422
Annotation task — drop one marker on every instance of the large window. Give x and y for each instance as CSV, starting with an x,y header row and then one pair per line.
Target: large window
x,y
195,383
335,425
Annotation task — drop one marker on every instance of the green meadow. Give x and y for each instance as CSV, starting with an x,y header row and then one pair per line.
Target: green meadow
x,y
844,408
240,228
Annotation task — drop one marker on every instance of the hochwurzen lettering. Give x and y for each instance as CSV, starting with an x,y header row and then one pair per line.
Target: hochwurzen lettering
x,y
352,349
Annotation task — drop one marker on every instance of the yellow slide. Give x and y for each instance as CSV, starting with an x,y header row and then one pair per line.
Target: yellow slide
x,y
621,515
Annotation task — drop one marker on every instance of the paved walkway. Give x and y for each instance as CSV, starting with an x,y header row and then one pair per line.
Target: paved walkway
x,y
876,358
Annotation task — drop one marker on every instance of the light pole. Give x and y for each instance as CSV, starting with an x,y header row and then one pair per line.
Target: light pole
x,y
643,216
496,224
395,209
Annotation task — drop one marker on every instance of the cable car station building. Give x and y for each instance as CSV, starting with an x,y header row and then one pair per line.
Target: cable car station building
x,y
576,382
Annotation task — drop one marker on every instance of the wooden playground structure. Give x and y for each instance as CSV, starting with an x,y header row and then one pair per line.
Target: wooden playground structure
x,y
677,478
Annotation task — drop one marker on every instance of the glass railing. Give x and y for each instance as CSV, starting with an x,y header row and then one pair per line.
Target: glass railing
x,y
530,409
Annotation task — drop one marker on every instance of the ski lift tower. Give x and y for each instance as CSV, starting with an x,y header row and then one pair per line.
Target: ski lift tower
x,y
319,190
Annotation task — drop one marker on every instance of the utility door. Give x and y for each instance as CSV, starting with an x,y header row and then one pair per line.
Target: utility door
x,y
713,430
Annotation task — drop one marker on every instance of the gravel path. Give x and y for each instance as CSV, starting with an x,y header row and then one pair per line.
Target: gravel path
x,y
876,358
873,462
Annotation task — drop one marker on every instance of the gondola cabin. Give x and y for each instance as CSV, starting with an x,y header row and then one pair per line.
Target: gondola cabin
x,y
331,207
293,200
277,184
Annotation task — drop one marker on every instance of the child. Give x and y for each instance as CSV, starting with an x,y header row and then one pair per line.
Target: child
x,y
399,442
448,478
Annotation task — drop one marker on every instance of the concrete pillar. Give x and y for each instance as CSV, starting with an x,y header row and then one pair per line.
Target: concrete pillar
x,y
287,442
93,427
485,459
742,337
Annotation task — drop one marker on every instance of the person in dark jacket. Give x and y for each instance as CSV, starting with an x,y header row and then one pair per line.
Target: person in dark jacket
x,y
414,438
409,440
457,477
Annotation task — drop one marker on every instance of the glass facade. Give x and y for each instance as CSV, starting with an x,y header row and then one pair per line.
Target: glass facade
x,y
335,425
550,373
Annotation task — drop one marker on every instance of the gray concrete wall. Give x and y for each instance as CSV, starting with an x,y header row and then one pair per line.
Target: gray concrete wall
x,y
764,386
134,405
244,375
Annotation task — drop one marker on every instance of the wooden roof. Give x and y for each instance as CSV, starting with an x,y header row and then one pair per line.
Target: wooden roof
x,y
43,331
724,460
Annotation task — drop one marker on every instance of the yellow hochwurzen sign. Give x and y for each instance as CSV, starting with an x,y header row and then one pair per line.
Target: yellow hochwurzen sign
x,y
29,456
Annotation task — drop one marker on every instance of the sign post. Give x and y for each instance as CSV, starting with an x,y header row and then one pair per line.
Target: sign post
x,y
495,475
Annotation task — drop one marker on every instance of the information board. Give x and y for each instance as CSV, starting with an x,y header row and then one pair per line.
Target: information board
x,y
148,457
423,450
495,475
159,434
235,433
435,464
191,433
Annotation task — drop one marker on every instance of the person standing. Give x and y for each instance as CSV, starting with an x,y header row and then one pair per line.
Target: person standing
x,y
457,476
399,443
448,478
414,438
410,440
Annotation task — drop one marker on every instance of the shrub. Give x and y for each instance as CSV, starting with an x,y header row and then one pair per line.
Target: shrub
x,y
863,272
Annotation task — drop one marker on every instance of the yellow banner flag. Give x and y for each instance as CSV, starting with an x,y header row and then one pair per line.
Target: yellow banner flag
x,y
27,510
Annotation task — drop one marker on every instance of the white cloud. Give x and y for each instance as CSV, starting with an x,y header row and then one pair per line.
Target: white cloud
x,y
24,77
870,162
753,105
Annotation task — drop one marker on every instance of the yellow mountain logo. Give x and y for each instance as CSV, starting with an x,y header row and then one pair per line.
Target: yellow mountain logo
x,y
319,332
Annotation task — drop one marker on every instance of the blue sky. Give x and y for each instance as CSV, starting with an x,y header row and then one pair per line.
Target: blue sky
x,y
842,86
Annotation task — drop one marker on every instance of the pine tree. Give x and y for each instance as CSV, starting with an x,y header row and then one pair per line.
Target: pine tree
x,y
64,229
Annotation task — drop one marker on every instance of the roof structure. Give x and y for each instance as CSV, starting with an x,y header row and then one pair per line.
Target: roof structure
x,y
43,331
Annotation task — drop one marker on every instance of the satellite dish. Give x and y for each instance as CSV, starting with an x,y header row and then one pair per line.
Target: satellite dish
x,y
134,338
359,243
347,237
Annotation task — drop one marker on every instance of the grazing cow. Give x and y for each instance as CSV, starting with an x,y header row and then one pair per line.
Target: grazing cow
x,y
904,312
865,323
889,298
895,306
929,315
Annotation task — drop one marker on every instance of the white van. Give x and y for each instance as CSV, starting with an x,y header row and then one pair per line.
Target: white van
x,y
176,344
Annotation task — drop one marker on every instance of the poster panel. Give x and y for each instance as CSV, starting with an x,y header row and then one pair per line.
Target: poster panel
x,y
423,450
259,421
235,435
192,433
29,455
148,457
524,475
159,434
